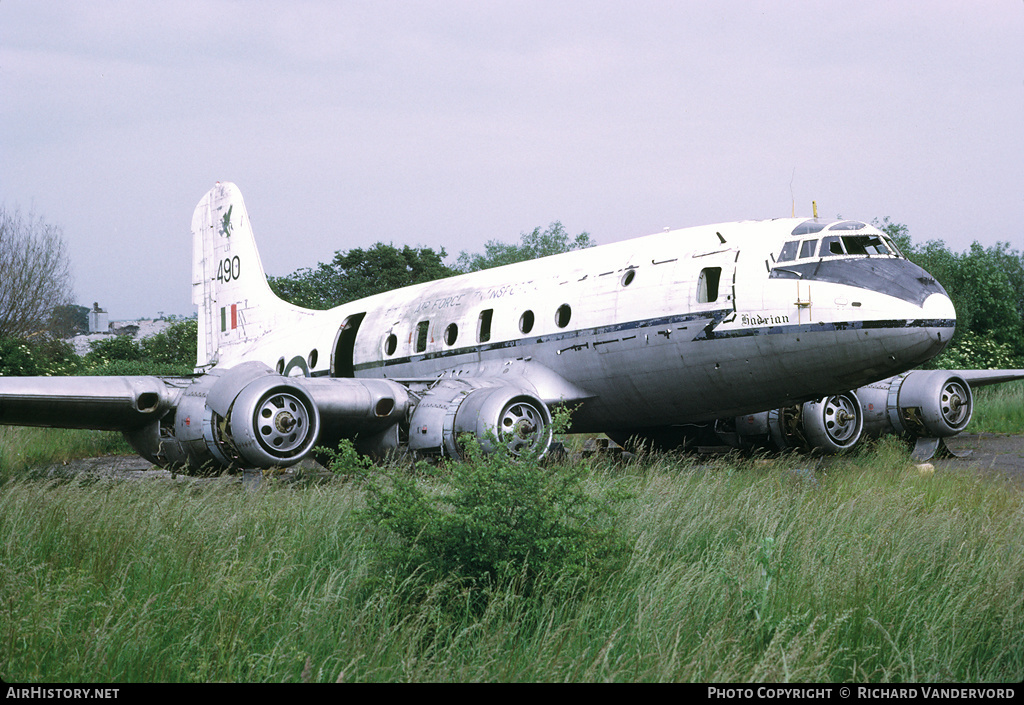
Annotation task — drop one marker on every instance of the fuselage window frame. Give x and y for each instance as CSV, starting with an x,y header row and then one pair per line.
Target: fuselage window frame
x,y
526,322
451,334
483,325
563,315
422,333
708,285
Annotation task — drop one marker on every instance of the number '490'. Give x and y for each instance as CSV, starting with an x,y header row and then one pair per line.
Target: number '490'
x,y
230,268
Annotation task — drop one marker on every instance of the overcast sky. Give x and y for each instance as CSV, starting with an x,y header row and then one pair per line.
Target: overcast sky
x,y
445,124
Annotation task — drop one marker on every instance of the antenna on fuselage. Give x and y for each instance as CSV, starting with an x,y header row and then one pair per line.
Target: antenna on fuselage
x,y
792,198
814,207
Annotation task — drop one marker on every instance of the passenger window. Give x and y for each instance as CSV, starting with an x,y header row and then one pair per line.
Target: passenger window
x,y
451,334
808,247
391,344
562,315
422,329
483,325
707,285
526,321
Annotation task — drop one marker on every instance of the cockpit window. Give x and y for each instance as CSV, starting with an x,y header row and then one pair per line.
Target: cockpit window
x,y
838,246
893,250
864,244
809,227
788,253
849,225
831,246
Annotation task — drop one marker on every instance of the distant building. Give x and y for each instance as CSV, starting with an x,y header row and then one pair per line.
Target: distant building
x,y
99,321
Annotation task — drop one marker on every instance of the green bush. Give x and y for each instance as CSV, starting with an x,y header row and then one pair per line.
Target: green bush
x,y
175,345
17,358
970,351
42,355
169,352
495,520
119,347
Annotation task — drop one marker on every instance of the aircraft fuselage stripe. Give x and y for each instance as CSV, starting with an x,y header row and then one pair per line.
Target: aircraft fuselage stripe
x,y
710,331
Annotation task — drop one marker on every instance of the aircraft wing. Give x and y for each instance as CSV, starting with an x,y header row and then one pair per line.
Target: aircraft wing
x,y
249,415
983,378
98,403
243,416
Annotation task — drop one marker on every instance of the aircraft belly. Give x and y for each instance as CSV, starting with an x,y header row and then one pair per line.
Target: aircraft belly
x,y
700,380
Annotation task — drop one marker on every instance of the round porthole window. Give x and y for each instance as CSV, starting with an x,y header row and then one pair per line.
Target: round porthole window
x,y
451,334
562,315
628,277
391,344
526,321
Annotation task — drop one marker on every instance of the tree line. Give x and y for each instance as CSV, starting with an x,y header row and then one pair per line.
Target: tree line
x,y
986,285
358,273
37,313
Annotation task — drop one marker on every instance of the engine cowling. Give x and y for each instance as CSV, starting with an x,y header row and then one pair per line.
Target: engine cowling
x,y
272,422
922,404
249,416
918,404
506,415
833,424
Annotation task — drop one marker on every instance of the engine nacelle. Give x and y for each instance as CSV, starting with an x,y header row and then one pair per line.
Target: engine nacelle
x,y
245,416
272,422
833,424
922,404
918,404
830,425
506,415
249,416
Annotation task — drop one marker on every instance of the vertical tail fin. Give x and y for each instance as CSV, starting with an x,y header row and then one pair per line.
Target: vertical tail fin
x,y
236,305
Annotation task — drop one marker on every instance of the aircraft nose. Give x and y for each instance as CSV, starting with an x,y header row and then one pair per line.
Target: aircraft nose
x,y
937,324
939,307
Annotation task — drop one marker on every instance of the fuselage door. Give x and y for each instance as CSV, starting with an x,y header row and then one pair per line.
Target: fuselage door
x,y
343,359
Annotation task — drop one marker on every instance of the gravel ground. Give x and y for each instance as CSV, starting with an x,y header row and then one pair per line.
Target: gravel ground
x,y
991,452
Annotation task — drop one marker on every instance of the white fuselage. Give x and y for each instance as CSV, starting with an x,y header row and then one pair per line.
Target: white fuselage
x,y
677,327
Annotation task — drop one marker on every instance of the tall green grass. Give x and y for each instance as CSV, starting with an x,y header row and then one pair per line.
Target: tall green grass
x,y
999,409
787,569
22,447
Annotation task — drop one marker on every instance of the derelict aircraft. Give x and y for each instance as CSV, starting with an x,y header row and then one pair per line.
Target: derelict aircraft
x,y
787,333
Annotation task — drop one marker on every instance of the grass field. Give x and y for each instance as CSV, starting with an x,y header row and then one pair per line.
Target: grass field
x,y
999,409
860,568
739,570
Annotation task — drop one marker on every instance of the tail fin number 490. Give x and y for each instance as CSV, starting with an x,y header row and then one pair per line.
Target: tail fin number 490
x,y
229,268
